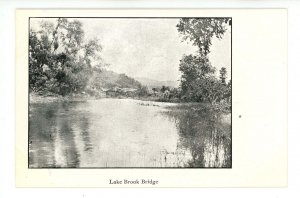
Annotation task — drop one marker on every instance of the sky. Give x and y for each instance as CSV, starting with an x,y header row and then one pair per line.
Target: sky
x,y
149,48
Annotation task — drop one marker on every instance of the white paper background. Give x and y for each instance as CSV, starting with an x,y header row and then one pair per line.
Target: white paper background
x,y
7,85
259,83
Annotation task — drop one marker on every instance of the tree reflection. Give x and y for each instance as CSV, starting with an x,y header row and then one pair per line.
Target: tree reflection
x,y
78,134
41,133
204,134
84,126
52,133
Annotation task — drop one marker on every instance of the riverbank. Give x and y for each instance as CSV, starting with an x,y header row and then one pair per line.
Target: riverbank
x,y
215,111
50,97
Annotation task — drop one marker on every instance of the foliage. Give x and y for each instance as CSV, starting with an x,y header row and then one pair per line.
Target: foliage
x,y
60,61
142,91
198,82
203,129
223,75
164,88
201,30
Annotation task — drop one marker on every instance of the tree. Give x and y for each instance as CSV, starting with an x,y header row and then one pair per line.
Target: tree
x,y
142,90
196,72
197,81
201,30
223,75
59,59
164,88
174,93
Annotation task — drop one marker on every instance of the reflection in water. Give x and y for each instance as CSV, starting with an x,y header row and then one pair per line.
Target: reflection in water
x,y
126,133
205,135
52,136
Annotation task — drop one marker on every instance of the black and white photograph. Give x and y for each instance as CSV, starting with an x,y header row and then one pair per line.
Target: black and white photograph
x,y
135,92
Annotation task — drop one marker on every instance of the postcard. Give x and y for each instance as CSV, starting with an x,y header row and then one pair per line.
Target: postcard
x,y
151,98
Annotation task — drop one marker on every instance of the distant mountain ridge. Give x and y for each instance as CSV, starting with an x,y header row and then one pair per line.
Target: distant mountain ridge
x,y
155,83
107,79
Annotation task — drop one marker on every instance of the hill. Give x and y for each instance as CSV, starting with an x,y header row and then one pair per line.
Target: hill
x,y
106,79
155,83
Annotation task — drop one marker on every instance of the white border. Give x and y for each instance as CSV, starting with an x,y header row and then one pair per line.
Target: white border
x,y
259,79
7,113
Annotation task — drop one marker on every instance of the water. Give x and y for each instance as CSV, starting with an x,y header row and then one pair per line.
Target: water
x,y
126,133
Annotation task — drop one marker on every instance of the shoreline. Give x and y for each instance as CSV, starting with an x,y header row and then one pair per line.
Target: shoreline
x,y
35,98
38,98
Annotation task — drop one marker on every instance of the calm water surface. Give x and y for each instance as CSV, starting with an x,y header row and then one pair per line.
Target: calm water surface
x,y
126,133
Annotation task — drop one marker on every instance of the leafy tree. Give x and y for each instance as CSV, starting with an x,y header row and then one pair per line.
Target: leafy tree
x,y
164,88
196,73
175,93
59,59
223,75
198,82
229,84
142,91
201,30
